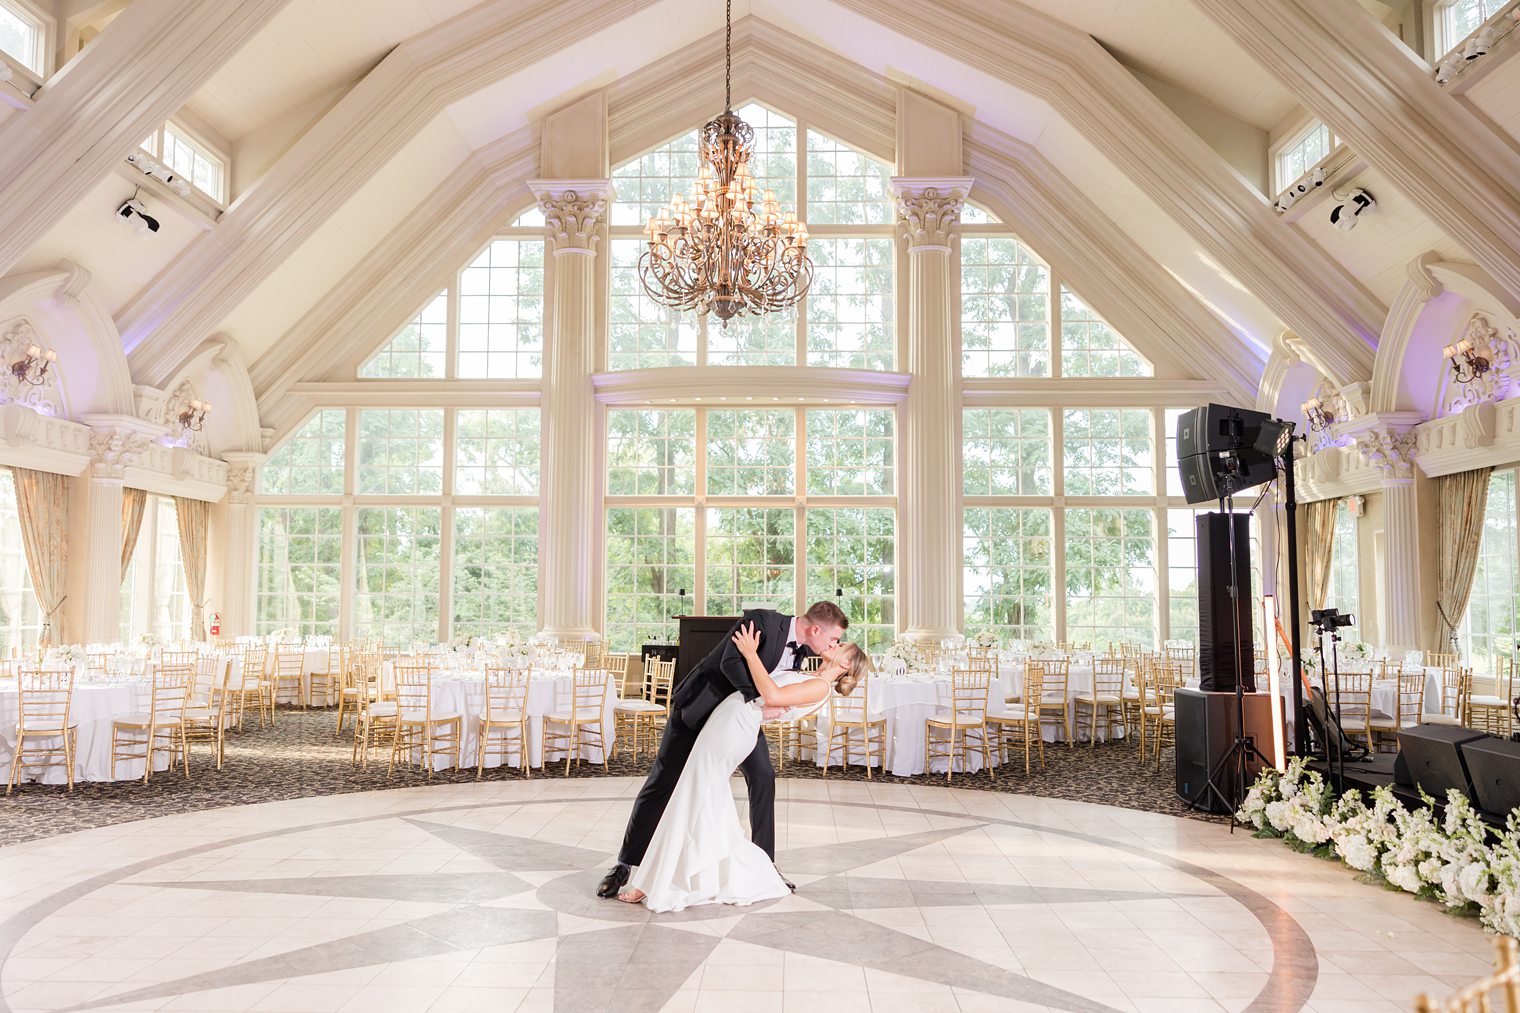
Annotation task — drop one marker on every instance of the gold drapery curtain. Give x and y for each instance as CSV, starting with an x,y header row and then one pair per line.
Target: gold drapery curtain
x,y
193,515
42,501
1319,545
1463,500
134,502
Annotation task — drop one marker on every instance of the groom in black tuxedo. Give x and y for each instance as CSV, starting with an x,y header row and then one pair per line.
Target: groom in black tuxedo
x,y
784,641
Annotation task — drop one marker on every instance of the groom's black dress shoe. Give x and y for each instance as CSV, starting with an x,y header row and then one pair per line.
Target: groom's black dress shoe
x,y
615,880
789,884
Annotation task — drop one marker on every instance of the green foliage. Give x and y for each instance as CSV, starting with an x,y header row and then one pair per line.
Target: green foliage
x,y
1006,451
1090,347
751,452
310,463
1005,309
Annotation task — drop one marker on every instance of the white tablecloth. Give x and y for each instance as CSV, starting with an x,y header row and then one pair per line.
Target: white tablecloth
x,y
314,659
95,706
549,691
1385,695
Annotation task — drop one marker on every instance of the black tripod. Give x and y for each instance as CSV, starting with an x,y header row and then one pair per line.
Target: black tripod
x,y
1335,735
1235,761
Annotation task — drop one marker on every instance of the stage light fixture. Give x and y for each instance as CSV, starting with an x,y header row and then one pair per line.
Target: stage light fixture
x,y
134,214
1344,215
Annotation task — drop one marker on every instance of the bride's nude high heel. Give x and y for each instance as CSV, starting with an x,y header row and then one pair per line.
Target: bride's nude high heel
x,y
631,896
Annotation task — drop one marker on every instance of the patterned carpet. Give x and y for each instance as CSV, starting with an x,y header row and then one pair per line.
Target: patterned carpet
x,y
300,758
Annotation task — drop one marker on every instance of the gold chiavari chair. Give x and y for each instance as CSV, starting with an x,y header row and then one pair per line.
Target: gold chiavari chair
x,y
967,714
1105,700
1160,705
1409,698
661,681
1021,722
616,665
289,663
1435,659
811,663
165,720
1137,667
581,724
787,739
1479,997
852,715
1352,701
357,659
1491,712
176,661
504,722
44,729
418,730
1055,700
1456,686
327,685
374,707
1184,658
636,717
206,716
252,683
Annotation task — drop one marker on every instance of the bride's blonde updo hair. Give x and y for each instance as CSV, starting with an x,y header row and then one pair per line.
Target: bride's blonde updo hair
x,y
857,665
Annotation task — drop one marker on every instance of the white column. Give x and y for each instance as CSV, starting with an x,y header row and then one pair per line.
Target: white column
x,y
929,537
1390,448
94,607
570,498
88,118
233,594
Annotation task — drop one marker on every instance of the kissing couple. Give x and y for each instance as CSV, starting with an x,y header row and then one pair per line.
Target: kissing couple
x,y
684,845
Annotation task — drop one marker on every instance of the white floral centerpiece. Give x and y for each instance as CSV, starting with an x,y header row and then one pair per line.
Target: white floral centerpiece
x,y
986,638
149,640
67,654
908,653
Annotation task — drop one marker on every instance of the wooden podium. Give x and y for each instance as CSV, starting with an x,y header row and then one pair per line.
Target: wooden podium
x,y
698,636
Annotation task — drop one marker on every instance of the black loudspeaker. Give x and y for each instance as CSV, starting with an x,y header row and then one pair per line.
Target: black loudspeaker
x,y
1494,765
1430,758
1220,655
1217,428
1203,475
1205,732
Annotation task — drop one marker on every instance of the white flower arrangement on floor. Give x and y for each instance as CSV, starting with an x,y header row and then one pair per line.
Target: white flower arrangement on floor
x,y
1450,861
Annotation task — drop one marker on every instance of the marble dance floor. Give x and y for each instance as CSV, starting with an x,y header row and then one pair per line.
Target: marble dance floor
x,y
479,897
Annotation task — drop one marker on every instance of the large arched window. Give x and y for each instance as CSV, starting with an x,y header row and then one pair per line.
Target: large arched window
x,y
845,196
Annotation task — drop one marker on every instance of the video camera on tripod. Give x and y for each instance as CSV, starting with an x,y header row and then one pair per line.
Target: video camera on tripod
x,y
1324,719
1326,620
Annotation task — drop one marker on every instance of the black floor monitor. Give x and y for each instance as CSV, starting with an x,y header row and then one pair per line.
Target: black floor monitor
x,y
1430,758
1495,768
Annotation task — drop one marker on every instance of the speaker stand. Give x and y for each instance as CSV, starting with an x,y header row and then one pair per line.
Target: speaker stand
x,y
1234,761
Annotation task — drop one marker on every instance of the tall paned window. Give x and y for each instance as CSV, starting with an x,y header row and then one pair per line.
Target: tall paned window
x,y
440,506
714,510
849,318
154,595
1490,626
488,324
1345,569
20,616
23,37
1110,576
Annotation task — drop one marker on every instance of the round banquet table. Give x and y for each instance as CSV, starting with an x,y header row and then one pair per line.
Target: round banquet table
x,y
549,692
96,704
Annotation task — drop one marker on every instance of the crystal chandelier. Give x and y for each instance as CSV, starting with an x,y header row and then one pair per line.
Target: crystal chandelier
x,y
729,250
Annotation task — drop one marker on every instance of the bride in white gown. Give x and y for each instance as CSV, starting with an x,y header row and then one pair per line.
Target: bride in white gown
x,y
699,853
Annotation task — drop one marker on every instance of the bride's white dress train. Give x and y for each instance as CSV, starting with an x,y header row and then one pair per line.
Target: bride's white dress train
x,y
700,853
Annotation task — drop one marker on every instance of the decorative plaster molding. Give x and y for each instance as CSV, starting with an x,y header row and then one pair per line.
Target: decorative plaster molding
x,y
761,384
1391,451
113,450
242,475
1478,425
929,209
1501,351
43,398
73,285
176,435
1422,278
150,403
574,210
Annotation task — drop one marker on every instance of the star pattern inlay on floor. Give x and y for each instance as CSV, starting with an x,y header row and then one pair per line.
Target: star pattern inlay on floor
x,y
472,896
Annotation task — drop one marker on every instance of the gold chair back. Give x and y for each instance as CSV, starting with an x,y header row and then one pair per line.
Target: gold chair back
x,y
506,693
589,693
44,701
661,676
968,694
1108,676
1498,991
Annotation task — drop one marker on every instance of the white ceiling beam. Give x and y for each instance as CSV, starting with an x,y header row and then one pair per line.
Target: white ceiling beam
x,y
1353,74
383,291
337,156
1299,282
97,110
1107,268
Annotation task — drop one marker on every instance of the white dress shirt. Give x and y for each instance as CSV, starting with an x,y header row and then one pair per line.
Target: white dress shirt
x,y
786,664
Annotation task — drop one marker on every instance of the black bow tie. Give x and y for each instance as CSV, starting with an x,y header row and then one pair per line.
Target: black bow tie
x,y
799,651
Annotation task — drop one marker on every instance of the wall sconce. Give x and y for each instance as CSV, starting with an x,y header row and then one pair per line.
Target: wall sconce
x,y
1466,366
33,368
193,418
1320,417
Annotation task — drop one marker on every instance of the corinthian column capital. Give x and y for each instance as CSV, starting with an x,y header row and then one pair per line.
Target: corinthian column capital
x,y
574,210
929,209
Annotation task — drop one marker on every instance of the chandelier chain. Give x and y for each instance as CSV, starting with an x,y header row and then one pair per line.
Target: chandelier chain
x,y
730,250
